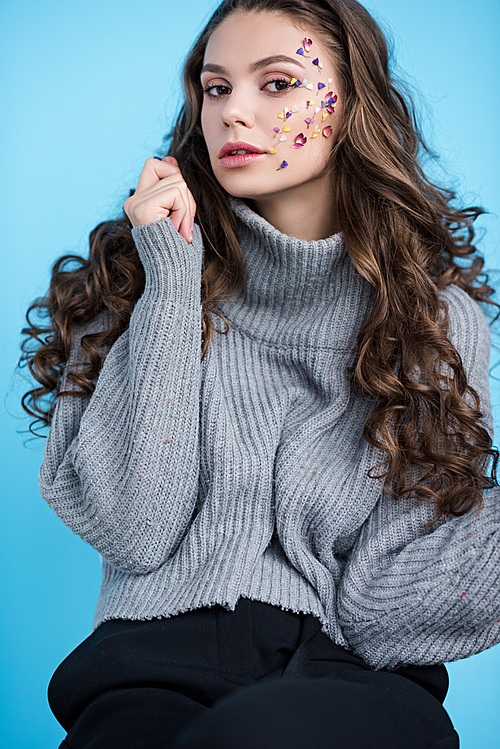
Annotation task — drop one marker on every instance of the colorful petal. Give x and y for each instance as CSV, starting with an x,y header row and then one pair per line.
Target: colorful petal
x,y
300,51
286,129
306,43
315,61
321,85
272,150
283,165
295,108
283,137
300,141
288,114
309,86
276,129
327,131
313,135
281,116
323,115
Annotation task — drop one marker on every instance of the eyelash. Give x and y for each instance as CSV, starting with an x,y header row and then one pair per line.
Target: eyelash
x,y
273,93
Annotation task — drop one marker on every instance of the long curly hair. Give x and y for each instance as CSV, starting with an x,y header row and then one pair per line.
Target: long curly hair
x,y
402,235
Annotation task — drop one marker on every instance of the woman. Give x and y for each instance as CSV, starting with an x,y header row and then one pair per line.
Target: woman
x,y
262,583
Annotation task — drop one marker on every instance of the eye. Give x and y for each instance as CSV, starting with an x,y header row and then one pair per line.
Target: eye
x,y
284,81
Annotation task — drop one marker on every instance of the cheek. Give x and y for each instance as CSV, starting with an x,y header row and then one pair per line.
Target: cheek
x,y
305,123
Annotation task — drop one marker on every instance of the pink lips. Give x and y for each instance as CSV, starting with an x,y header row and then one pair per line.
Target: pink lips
x,y
239,145
240,159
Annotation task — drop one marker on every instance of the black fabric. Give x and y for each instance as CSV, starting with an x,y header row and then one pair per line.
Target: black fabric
x,y
257,675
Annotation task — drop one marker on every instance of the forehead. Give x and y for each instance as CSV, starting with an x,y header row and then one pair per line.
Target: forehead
x,y
243,38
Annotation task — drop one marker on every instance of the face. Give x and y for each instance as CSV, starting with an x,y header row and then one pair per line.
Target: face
x,y
288,109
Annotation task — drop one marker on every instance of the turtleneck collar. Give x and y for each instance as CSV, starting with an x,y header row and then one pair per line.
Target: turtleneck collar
x,y
293,284
281,267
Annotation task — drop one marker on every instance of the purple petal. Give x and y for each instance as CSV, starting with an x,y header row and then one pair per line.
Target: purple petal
x,y
276,129
315,62
299,52
283,164
321,85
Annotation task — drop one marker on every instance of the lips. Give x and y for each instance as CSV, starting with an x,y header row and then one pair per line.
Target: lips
x,y
238,146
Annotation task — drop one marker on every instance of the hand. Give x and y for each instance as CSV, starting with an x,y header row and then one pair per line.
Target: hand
x,y
162,192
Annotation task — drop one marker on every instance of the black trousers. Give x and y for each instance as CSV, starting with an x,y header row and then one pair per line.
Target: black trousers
x,y
257,676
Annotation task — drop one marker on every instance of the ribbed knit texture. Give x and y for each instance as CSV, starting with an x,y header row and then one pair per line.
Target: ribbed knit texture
x,y
246,474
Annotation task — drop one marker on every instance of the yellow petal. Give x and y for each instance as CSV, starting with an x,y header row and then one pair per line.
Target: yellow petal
x,y
294,80
272,150
286,129
325,114
281,116
313,135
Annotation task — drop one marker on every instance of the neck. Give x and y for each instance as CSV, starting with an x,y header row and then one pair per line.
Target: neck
x,y
297,216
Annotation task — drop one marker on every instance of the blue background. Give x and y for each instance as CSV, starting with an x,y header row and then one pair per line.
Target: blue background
x,y
89,89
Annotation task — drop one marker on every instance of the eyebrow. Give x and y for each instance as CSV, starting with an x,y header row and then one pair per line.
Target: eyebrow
x,y
257,65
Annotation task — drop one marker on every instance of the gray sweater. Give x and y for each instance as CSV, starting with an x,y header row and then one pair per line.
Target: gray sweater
x,y
245,474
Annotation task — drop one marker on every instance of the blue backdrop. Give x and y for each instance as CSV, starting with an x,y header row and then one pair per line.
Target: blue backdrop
x,y
89,89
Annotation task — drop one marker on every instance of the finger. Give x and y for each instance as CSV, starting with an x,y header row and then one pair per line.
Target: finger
x,y
153,171
157,204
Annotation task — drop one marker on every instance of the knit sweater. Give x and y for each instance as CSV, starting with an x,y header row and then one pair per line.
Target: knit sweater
x,y
245,475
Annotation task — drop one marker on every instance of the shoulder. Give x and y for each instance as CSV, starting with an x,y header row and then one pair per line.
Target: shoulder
x,y
468,327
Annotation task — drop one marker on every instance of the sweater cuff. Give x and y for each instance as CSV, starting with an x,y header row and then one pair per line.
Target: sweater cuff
x,y
171,264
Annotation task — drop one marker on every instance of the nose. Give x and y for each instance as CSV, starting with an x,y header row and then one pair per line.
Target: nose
x,y
238,109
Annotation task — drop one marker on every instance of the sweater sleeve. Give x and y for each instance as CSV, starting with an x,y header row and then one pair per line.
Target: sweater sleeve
x,y
121,467
410,595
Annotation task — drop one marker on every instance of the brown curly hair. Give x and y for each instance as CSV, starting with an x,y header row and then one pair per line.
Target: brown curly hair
x,y
402,235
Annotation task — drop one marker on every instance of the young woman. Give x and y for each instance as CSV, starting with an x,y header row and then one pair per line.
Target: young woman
x,y
292,512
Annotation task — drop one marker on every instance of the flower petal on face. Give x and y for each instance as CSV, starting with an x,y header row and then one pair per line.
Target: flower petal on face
x,y
327,131
295,108
276,129
313,135
300,140
286,129
283,164
316,61
300,51
306,43
320,65
317,110
272,150
281,116
309,86
283,137
288,114
292,81
323,115
309,120
330,80
297,83
321,85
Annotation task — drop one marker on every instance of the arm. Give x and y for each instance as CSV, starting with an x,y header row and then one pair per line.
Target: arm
x,y
410,595
121,467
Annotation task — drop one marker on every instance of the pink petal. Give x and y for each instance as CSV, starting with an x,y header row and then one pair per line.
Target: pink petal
x,y
327,131
306,44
